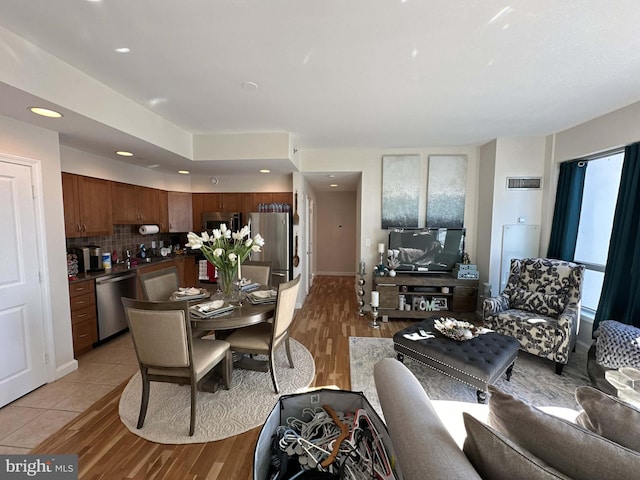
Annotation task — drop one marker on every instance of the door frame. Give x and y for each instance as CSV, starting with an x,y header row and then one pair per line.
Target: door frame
x,y
35,167
310,240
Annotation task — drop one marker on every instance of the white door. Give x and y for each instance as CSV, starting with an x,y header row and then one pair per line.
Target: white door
x,y
22,346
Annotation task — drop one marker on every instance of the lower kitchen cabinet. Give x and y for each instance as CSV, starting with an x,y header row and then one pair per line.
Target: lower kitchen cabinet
x,y
84,320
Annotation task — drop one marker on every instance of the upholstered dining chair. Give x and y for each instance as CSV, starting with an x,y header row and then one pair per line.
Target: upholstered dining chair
x,y
158,285
168,352
540,306
264,338
257,271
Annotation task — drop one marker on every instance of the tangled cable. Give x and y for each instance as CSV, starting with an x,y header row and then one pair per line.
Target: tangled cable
x,y
344,444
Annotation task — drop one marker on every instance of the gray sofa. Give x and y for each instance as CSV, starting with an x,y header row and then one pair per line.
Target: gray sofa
x,y
517,440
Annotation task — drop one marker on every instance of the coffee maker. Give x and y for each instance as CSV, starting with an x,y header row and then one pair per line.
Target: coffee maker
x,y
89,258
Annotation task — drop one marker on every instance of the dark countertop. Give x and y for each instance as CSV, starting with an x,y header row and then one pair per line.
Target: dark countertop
x,y
121,268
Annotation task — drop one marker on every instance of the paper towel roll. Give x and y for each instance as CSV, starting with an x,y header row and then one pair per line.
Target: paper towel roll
x,y
148,229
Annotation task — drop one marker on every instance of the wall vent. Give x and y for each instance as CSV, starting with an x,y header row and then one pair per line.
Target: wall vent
x,y
524,183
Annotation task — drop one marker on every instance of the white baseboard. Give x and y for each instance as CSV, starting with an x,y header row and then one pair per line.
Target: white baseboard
x,y
66,369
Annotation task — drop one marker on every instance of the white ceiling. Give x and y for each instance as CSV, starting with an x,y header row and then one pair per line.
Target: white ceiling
x,y
338,73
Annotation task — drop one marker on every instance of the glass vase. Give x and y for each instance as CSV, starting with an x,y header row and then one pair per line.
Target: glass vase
x,y
226,281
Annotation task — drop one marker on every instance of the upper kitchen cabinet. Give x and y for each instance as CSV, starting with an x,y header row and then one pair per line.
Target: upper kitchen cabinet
x,y
87,206
133,204
212,202
180,212
232,202
163,210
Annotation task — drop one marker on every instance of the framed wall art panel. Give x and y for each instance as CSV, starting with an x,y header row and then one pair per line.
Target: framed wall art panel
x,y
446,189
400,190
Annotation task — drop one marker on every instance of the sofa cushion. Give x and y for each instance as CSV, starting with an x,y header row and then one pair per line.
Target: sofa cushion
x,y
494,456
420,440
617,345
609,417
550,305
567,447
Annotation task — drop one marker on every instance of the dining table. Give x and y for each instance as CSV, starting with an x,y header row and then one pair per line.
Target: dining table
x,y
244,314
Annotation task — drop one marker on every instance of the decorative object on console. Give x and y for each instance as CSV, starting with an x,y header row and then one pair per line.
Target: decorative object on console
x,y
393,262
456,329
381,269
227,251
400,190
446,187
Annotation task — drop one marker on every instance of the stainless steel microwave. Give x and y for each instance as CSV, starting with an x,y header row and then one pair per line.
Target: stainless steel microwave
x,y
211,220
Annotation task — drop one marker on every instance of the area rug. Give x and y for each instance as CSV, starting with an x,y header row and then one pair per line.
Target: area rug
x,y
534,379
218,415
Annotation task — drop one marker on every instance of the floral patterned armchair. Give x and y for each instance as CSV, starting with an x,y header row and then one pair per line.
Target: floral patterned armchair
x,y
540,306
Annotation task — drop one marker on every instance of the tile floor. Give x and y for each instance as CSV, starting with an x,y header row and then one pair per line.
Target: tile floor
x,y
28,421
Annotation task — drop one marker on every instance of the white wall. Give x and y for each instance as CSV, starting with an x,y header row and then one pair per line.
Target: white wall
x,y
23,140
515,157
486,185
616,129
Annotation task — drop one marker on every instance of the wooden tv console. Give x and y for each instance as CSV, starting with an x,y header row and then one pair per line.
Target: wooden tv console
x,y
460,295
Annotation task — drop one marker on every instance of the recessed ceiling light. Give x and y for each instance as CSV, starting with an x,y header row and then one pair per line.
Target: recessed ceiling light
x,y
124,153
183,172
155,165
45,112
331,175
249,85
123,50
265,170
333,185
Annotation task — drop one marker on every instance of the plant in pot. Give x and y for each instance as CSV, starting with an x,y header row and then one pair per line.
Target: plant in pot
x,y
393,262
226,251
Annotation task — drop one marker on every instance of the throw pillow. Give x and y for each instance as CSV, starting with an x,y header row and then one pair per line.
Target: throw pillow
x,y
617,345
537,302
609,417
565,446
496,457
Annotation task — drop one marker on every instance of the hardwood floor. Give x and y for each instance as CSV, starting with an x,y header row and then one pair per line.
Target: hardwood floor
x,y
107,450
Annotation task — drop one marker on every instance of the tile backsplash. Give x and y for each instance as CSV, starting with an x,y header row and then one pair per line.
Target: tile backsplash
x,y
127,237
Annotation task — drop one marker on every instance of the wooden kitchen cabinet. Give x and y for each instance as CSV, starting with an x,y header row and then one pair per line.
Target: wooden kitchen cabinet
x,y
163,211
187,271
232,202
84,319
180,212
133,204
87,206
212,202
147,203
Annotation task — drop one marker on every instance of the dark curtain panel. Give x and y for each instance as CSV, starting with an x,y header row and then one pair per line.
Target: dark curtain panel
x,y
620,298
566,214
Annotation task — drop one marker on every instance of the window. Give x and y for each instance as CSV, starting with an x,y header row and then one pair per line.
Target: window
x,y
602,180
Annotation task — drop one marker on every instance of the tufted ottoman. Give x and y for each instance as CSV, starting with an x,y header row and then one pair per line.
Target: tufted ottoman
x,y
478,362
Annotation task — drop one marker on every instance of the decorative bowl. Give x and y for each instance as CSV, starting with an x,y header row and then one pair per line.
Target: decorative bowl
x,y
456,329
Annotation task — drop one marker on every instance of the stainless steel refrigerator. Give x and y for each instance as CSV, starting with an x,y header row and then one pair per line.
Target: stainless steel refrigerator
x,y
277,232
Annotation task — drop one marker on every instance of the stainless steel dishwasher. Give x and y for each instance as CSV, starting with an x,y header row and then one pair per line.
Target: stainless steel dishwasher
x,y
109,291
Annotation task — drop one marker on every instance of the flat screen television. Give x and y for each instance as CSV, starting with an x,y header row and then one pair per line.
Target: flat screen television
x,y
427,250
